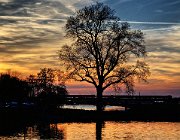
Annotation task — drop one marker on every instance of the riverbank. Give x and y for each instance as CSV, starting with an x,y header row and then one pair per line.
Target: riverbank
x,y
143,113
67,115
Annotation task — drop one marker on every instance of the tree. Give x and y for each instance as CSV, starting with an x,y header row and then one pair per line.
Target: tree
x,y
101,50
45,79
32,82
50,90
12,88
47,87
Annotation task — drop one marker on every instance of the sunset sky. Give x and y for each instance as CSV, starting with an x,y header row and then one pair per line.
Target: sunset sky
x,y
32,31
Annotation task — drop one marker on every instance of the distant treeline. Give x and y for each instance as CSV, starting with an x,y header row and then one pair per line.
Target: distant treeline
x,y
46,84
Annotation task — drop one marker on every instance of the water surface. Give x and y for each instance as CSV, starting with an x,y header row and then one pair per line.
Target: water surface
x,y
92,107
108,130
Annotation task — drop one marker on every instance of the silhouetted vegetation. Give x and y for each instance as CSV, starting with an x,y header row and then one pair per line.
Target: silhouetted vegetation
x,y
47,81
44,90
101,49
12,88
47,88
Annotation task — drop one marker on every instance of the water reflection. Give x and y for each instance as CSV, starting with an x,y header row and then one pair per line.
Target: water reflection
x,y
96,131
99,126
49,131
33,131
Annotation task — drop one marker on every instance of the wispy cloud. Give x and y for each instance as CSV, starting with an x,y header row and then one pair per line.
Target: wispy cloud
x,y
152,23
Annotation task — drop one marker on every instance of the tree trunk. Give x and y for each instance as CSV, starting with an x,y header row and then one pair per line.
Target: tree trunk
x,y
99,105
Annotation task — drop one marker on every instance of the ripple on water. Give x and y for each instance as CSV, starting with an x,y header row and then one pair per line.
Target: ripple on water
x,y
108,130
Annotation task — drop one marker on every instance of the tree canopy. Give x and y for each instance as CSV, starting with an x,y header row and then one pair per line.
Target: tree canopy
x,y
46,82
13,88
102,49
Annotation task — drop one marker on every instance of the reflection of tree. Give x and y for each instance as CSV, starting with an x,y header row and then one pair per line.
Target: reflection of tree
x,y
99,126
47,131
22,130
8,128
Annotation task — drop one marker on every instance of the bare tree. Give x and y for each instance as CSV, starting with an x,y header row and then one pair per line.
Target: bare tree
x,y
102,49
32,81
47,81
46,78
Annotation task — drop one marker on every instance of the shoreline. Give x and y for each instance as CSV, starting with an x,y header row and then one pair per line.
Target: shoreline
x,y
73,115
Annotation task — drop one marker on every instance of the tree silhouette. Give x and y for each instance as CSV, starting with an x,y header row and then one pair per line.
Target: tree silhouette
x,y
47,87
45,79
12,88
101,50
32,82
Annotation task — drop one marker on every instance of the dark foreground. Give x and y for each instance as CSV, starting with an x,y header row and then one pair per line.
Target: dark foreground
x,y
138,108
15,121
137,113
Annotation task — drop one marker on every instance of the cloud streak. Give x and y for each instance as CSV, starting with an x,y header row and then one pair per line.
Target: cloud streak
x,y
151,23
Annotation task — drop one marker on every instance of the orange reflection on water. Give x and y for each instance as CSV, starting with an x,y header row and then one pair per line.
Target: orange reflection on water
x,y
142,130
122,131
100,131
78,131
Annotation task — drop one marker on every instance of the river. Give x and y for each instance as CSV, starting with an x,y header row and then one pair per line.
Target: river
x,y
108,130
